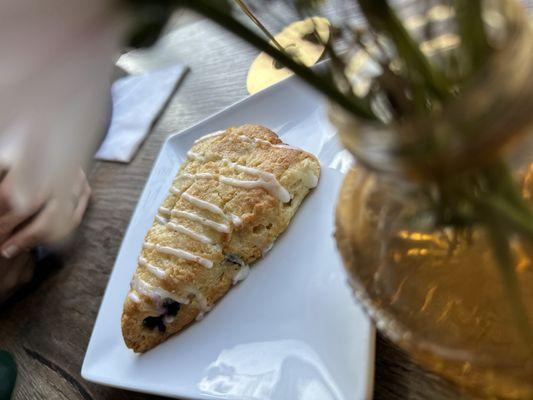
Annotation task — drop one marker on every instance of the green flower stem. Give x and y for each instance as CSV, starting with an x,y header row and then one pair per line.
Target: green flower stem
x,y
502,251
354,106
259,24
472,32
382,18
502,181
518,219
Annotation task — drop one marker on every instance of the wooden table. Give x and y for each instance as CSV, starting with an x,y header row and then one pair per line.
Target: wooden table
x,y
48,328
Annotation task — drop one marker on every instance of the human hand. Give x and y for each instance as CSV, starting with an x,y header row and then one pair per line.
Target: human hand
x,y
15,273
47,221
54,89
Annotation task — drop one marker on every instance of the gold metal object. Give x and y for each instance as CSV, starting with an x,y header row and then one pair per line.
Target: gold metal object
x,y
299,41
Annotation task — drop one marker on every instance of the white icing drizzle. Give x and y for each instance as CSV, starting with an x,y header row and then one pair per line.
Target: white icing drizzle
x,y
203,204
245,138
243,271
200,298
204,221
202,302
169,319
248,139
164,210
179,253
161,220
195,156
200,316
209,136
156,294
267,176
310,179
192,234
267,249
206,206
175,190
156,271
204,175
266,180
254,140
241,274
270,186
134,297
235,220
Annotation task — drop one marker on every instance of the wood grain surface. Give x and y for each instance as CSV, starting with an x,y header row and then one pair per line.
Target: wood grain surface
x,y
47,328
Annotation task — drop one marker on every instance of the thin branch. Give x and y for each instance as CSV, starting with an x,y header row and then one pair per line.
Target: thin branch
x,y
354,106
472,32
382,18
259,24
505,262
518,219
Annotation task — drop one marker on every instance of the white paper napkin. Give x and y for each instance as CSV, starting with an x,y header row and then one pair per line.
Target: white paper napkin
x,y
137,101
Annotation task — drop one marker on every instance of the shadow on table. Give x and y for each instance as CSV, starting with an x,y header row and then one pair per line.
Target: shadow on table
x,y
398,377
47,264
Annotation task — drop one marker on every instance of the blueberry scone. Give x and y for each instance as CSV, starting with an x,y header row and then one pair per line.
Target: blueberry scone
x,y
230,200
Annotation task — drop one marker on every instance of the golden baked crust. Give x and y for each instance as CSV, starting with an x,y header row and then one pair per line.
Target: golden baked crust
x,y
245,221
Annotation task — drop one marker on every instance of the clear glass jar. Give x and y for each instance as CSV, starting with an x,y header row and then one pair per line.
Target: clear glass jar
x,y
438,292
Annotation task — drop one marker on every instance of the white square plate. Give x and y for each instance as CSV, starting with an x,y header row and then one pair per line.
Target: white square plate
x,y
291,330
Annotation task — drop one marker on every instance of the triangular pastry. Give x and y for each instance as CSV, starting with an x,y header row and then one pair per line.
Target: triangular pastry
x,y
233,196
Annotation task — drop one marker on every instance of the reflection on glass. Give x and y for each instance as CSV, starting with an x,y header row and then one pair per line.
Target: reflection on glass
x,y
285,369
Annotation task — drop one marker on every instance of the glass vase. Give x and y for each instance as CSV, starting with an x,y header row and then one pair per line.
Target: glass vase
x,y
438,291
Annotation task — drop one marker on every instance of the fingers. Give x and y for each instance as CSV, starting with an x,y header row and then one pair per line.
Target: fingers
x,y
83,202
5,199
6,194
10,220
51,224
9,217
73,219
33,233
13,274
79,183
10,278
